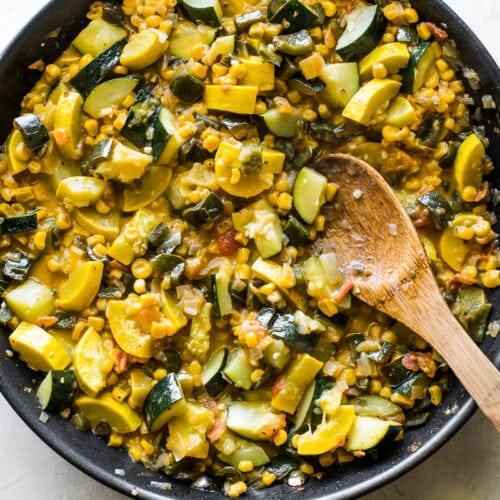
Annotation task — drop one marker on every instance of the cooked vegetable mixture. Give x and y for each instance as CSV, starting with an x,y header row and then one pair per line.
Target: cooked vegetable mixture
x,y
159,200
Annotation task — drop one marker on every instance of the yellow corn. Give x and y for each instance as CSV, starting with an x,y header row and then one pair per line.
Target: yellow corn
x,y
436,394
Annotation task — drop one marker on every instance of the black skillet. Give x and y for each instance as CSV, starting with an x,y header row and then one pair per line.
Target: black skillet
x,y
44,38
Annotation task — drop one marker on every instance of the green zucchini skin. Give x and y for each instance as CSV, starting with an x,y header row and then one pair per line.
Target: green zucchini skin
x,y
97,69
255,420
438,206
34,133
355,44
141,118
413,75
212,375
205,212
164,401
202,11
284,327
186,87
57,390
18,223
100,152
297,15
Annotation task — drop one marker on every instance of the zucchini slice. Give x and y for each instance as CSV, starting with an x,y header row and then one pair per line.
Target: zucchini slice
x,y
342,82
108,95
422,63
164,401
207,12
368,432
282,124
205,212
57,390
19,223
238,369
284,327
309,191
372,405
365,26
262,222
212,375
247,450
294,15
185,35
34,133
147,189
30,300
186,87
97,36
97,69
256,420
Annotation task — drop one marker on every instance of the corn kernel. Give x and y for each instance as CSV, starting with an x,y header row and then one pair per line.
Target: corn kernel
x,y
245,465
349,376
159,373
96,322
491,279
115,440
402,400
140,286
235,176
211,142
306,468
344,456
141,268
385,392
379,70
329,7
436,394
374,386
326,459
280,438
39,240
447,75
236,489
268,478
331,191
423,31
464,232
285,201
135,452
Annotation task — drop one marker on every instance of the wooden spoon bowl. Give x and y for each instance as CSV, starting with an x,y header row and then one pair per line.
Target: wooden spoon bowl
x,y
378,249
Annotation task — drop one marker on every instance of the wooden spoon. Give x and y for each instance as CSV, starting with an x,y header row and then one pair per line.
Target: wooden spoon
x,y
367,226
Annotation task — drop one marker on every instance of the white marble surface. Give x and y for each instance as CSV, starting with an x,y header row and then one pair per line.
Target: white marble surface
x,y
466,468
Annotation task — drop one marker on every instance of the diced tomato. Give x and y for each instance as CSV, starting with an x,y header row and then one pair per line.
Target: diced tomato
x,y
46,321
278,385
343,291
218,428
226,244
439,34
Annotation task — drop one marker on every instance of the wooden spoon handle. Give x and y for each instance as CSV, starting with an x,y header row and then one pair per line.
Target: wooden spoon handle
x,y
475,371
